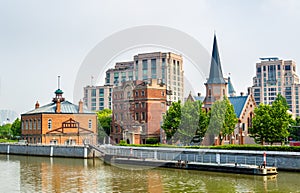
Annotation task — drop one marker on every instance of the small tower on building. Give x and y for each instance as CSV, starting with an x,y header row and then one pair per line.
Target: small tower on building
x,y
216,86
231,90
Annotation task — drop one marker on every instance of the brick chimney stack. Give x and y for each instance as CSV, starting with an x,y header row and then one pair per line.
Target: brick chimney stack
x,y
37,105
58,106
80,107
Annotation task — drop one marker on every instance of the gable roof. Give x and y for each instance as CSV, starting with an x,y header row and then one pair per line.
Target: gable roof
x,y
238,103
66,107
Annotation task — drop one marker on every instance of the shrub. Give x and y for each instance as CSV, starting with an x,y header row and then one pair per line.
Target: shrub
x,y
152,141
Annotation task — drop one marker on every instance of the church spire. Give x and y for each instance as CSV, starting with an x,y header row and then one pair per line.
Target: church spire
x,y
216,86
215,74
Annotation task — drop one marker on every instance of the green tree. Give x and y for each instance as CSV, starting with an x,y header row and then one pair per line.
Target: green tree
x,y
193,123
16,128
104,123
222,120
202,123
5,131
270,123
294,130
172,119
230,119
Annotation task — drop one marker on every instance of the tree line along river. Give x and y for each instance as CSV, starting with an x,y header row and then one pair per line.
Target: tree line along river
x,y
44,174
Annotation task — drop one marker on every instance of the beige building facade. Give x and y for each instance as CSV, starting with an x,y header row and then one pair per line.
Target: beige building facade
x,y
275,76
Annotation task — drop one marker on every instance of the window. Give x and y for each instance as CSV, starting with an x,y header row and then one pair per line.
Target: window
x,y
136,105
136,93
34,124
93,92
26,124
136,116
143,104
30,124
143,115
49,124
287,67
39,124
143,93
101,92
162,93
90,124
145,64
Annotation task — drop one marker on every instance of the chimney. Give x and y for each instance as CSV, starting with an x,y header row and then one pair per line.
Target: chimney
x,y
80,107
37,105
242,94
199,94
58,106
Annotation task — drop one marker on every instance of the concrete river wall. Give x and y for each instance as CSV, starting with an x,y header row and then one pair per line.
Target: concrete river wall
x,y
46,150
283,160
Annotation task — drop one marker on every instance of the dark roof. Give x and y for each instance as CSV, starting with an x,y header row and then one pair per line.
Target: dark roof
x,y
58,91
215,74
238,103
230,87
66,107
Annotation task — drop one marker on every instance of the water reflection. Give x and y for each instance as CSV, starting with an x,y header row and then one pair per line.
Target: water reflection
x,y
42,174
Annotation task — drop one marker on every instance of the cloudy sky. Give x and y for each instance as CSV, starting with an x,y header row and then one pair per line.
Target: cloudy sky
x,y
40,40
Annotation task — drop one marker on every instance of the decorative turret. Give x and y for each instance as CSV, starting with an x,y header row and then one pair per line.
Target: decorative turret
x,y
58,93
231,90
216,86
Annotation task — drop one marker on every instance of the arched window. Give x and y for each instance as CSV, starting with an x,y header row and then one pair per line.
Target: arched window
x,y
90,124
39,124
49,124
34,124
26,124
30,124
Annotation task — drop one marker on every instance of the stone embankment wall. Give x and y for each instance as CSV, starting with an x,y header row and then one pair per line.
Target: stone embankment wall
x,y
282,160
46,150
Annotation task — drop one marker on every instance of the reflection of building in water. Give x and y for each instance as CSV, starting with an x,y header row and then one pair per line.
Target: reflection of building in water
x,y
59,122
154,182
59,175
138,108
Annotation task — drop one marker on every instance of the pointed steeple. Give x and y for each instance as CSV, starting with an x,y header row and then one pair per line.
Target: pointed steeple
x,y
231,91
215,74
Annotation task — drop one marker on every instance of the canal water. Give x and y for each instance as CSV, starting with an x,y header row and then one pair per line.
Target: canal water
x,y
44,174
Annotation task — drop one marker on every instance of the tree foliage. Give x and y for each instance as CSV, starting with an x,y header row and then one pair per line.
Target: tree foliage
x,y
185,123
104,123
193,123
5,131
270,123
222,119
294,130
16,128
171,119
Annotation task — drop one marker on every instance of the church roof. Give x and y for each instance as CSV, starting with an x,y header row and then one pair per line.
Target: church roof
x,y
66,107
215,74
238,103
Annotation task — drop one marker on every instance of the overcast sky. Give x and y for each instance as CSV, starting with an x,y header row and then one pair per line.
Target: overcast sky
x,y
40,40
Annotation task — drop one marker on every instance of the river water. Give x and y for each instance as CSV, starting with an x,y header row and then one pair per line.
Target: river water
x,y
43,174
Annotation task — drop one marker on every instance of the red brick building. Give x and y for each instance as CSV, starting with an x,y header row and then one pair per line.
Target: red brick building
x,y
138,108
59,122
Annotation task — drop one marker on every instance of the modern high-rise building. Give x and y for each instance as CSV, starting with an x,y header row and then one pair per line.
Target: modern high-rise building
x,y
166,67
275,76
97,97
